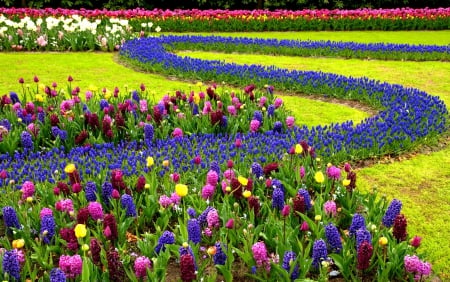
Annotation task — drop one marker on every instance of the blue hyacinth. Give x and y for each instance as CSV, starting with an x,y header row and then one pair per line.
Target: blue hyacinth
x,y
358,222
48,226
319,253
289,259
10,264
166,238
194,231
333,238
392,212
128,204
90,191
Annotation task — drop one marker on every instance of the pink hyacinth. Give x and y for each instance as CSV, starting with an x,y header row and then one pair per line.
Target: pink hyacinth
x,y
278,102
207,108
88,95
238,142
175,198
330,208
232,110
254,125
164,201
417,267
177,132
235,100
27,189
143,106
260,255
229,174
212,178
302,172
141,264
290,121
212,218
45,212
64,205
95,210
262,101
71,265
208,191
333,173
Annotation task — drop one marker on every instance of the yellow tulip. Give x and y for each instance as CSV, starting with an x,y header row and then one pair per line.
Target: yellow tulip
x,y
165,163
18,244
298,149
181,190
247,194
80,231
70,168
383,241
319,177
243,180
150,161
346,182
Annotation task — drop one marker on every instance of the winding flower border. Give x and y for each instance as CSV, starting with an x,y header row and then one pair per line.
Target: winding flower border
x,y
406,114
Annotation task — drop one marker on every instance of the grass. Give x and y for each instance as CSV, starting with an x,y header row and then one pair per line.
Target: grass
x,y
422,182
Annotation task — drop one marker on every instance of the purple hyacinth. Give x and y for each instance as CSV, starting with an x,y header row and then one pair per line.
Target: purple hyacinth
x,y
90,191
333,238
128,204
14,97
319,252
271,110
392,212
57,275
11,265
257,170
191,212
47,228
306,197
288,259
258,116
148,134
10,218
107,189
278,126
26,140
166,238
194,231
135,96
6,124
276,183
219,257
103,104
278,198
362,235
358,222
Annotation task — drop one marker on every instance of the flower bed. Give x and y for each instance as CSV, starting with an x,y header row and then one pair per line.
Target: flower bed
x,y
263,20
381,51
207,205
406,114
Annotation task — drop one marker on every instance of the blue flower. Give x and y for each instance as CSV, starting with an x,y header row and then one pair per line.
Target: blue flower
x,y
10,218
333,238
278,198
47,228
319,253
166,238
194,231
257,170
128,204
90,191
57,275
219,257
26,140
10,264
392,212
358,222
288,259
306,197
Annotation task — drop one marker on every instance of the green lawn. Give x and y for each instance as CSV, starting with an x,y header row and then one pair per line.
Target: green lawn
x,y
422,182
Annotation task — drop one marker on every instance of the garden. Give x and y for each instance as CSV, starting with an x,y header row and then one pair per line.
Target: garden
x,y
219,145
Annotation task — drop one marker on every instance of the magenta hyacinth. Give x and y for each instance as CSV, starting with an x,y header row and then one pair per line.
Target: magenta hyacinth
x,y
213,218
259,251
71,265
141,264
177,132
330,208
290,121
95,210
333,172
27,189
208,192
254,125
212,178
